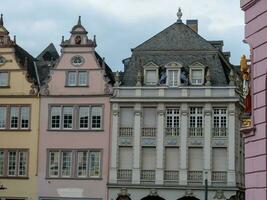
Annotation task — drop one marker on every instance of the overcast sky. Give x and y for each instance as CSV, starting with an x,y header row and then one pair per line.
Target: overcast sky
x,y
120,25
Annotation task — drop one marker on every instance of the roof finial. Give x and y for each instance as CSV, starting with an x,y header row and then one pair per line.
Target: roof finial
x,y
79,20
1,20
179,15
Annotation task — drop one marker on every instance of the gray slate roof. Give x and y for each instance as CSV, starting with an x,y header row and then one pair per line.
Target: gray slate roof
x,y
177,43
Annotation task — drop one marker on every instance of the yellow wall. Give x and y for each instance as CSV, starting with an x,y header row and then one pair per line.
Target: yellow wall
x,y
19,91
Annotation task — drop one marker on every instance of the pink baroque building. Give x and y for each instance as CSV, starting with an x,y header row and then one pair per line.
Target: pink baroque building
x,y
74,125
256,133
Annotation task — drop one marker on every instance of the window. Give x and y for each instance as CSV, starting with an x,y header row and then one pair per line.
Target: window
x,y
196,121
55,117
77,78
62,164
151,73
19,117
219,122
96,117
172,78
13,163
25,117
3,79
77,60
1,40
2,117
76,117
197,77
172,121
67,117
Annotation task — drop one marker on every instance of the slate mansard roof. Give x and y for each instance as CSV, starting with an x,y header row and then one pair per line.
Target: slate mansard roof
x,y
178,43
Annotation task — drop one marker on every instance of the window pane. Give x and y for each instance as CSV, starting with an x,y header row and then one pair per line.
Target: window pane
x,y
84,117
82,164
94,164
66,164
151,77
197,76
22,163
72,79
55,117
96,117
1,163
14,117
12,157
67,117
2,117
54,164
3,79
173,77
25,116
82,78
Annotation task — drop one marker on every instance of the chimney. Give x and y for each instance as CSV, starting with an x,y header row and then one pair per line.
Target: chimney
x,y
193,24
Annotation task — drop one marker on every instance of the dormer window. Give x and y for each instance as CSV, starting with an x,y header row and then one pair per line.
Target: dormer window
x,y
173,74
151,74
197,71
4,79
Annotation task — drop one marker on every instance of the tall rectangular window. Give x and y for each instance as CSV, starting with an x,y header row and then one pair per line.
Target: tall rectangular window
x,y
94,170
12,160
151,77
84,117
66,166
172,78
72,79
24,117
1,163
82,164
3,79
172,121
96,118
148,158
22,165
14,117
82,78
196,117
126,158
54,164
55,117
219,118
67,117
172,158
2,117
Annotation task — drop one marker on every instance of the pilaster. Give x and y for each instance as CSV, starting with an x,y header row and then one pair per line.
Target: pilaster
x,y
207,140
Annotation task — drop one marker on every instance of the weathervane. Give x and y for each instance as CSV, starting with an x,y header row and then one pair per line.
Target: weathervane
x,y
179,15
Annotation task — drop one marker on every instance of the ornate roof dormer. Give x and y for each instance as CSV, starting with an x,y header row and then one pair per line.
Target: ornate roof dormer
x,y
78,37
5,40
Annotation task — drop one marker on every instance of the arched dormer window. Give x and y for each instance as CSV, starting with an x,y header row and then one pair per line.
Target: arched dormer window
x,y
151,74
197,72
173,71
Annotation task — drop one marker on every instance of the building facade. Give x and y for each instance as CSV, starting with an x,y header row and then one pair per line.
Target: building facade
x,y
255,133
74,124
19,119
175,120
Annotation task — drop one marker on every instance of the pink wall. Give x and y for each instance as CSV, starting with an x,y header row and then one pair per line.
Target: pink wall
x,y
94,93
256,141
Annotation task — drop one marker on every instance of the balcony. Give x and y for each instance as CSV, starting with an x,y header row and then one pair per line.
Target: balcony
x,y
149,132
196,132
219,132
171,176
124,175
147,175
172,131
126,132
195,177
219,177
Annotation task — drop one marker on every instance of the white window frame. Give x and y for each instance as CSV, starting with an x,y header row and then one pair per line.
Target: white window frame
x,y
220,115
62,164
196,115
17,108
63,117
60,117
173,66
101,117
196,66
151,67
58,165
28,117
79,117
77,78
171,113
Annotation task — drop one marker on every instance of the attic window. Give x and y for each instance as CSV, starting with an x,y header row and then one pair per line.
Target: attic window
x,y
197,71
173,74
151,74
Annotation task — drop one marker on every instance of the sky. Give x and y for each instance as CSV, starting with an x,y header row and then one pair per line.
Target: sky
x,y
120,25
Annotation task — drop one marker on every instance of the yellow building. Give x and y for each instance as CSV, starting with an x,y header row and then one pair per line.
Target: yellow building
x,y
19,119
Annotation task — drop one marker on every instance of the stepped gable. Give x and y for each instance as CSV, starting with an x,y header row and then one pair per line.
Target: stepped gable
x,y
178,43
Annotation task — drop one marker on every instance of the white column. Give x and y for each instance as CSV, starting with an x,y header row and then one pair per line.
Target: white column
x,y
160,145
207,141
231,175
114,144
137,144
183,144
